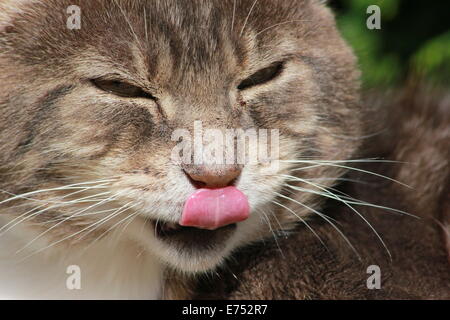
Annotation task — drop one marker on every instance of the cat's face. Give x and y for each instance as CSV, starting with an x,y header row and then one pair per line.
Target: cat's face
x,y
95,109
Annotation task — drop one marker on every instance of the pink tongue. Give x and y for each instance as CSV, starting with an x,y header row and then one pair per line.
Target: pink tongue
x,y
214,208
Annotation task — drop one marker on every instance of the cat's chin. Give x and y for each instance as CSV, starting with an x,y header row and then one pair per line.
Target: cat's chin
x,y
192,250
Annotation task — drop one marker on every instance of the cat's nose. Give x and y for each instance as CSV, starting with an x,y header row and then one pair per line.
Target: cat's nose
x,y
213,177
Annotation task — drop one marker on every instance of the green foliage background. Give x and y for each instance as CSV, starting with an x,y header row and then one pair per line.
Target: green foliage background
x,y
414,40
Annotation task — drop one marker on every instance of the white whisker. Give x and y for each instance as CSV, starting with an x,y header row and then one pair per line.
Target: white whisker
x,y
26,216
74,186
234,15
66,219
326,219
353,209
116,213
74,234
265,217
336,164
350,199
248,16
303,221
279,24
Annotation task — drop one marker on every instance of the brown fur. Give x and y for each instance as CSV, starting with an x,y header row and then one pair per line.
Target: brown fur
x,y
59,126
417,122
58,129
55,104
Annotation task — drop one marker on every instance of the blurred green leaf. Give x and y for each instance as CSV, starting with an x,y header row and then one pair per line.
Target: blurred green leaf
x,y
414,39
433,58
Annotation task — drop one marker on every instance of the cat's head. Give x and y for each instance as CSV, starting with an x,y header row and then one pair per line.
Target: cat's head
x,y
88,116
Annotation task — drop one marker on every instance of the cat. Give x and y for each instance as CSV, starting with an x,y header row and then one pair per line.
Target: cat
x,y
88,115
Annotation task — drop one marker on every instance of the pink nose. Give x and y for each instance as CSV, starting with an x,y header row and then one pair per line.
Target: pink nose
x,y
218,176
214,208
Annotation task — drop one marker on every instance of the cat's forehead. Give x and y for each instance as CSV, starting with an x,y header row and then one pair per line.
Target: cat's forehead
x,y
171,43
202,30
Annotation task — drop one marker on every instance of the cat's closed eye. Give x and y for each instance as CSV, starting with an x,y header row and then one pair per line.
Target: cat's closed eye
x,y
262,76
121,89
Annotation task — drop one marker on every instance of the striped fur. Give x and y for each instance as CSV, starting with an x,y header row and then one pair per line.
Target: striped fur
x,y
58,130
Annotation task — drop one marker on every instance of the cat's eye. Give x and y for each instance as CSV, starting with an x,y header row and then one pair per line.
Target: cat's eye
x,y
262,76
121,89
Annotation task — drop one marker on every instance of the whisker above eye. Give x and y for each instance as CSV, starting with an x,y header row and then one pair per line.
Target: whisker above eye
x,y
280,24
248,16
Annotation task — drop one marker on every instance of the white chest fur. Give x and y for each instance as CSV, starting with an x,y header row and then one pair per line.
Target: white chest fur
x,y
110,269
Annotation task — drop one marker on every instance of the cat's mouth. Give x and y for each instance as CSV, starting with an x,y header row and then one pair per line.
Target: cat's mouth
x,y
209,218
191,237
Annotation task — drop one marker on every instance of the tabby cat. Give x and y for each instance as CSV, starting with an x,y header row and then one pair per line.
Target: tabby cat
x,y
88,182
